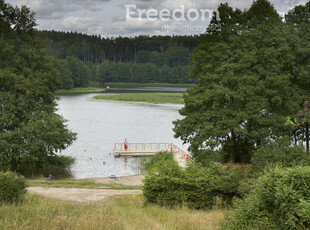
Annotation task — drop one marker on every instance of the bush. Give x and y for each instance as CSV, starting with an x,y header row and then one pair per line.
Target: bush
x,y
196,187
280,200
153,161
12,187
281,152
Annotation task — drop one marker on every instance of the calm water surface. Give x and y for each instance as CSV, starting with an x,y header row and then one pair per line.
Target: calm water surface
x,y
100,124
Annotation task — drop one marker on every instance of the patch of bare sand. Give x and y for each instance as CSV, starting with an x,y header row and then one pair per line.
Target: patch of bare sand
x,y
135,180
78,194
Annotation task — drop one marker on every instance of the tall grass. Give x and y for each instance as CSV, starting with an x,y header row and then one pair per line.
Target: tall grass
x,y
122,212
157,98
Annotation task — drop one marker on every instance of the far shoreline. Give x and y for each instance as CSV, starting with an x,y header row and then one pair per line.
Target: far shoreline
x,y
154,98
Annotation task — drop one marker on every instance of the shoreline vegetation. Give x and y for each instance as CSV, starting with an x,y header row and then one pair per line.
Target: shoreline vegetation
x,y
156,98
80,90
96,87
133,85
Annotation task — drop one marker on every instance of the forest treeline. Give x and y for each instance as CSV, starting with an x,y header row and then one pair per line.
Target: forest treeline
x,y
144,59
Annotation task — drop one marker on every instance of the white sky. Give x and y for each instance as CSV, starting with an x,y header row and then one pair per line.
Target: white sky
x,y
108,17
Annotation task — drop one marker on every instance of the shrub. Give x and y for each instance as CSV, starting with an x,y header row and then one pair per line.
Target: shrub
x,y
195,187
153,161
280,200
12,187
281,152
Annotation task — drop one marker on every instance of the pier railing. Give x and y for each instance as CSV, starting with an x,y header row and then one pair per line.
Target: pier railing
x,y
150,148
143,147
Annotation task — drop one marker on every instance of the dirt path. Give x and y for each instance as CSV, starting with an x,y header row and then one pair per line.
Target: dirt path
x,y
135,180
78,194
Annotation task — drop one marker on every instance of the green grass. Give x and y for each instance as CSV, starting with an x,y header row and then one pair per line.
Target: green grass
x,y
71,183
80,90
134,85
157,98
121,212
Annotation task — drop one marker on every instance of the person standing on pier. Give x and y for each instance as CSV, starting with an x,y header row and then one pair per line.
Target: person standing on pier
x,y
125,144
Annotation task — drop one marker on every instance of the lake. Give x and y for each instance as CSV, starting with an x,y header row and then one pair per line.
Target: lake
x,y
100,124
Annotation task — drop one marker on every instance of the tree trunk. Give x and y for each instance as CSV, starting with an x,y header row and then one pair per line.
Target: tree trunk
x,y
307,136
13,164
232,148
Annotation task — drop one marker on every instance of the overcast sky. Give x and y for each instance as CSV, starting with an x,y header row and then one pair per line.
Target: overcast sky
x,y
108,17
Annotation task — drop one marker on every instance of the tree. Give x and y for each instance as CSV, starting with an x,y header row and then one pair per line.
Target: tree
x,y
29,125
299,21
158,59
177,55
65,74
79,71
143,56
245,89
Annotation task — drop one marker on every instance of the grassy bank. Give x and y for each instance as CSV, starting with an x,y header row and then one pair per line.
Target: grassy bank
x,y
80,90
136,85
121,212
157,98
71,183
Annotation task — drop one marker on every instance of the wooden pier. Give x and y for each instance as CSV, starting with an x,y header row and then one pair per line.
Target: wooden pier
x,y
148,149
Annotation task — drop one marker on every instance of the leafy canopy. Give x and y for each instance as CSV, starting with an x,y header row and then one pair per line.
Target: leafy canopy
x,y
246,83
30,128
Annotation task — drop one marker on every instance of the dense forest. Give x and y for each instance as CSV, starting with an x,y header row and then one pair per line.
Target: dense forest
x,y
80,58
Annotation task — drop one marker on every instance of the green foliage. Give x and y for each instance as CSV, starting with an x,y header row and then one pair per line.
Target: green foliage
x,y
177,55
158,59
12,187
196,187
280,152
246,86
207,156
143,56
65,74
142,73
141,59
94,49
29,124
280,200
79,72
155,160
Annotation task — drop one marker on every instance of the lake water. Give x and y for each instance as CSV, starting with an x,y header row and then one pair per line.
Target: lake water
x,y
100,124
